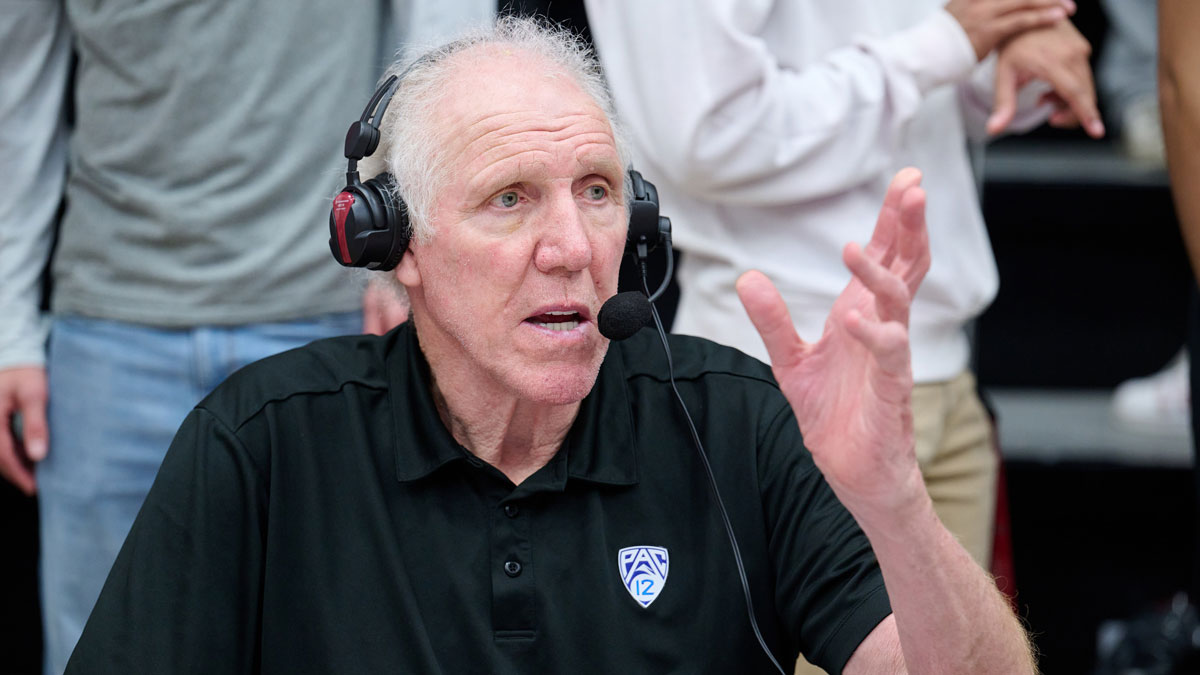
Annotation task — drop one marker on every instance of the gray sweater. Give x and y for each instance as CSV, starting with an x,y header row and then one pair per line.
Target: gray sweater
x,y
205,151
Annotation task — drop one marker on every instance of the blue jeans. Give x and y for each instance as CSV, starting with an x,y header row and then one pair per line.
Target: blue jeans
x,y
118,393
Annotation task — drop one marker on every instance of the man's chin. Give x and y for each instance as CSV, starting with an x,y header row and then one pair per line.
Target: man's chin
x,y
559,384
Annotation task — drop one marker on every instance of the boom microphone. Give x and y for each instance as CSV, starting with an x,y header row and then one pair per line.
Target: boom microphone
x,y
624,314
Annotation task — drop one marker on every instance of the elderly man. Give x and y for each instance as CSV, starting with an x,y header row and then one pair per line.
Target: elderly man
x,y
470,492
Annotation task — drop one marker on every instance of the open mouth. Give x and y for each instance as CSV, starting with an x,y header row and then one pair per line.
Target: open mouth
x,y
560,320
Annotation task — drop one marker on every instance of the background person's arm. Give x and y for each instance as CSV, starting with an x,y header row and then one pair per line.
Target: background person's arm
x,y
34,64
724,119
1179,98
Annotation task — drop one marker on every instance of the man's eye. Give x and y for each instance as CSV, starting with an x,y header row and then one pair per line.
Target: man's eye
x,y
507,199
597,192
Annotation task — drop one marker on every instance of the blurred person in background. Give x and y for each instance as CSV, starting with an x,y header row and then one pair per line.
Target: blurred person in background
x,y
1179,93
1166,638
771,130
196,179
1126,75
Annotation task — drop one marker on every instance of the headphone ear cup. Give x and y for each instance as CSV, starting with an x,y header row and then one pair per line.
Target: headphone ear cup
x,y
395,215
368,225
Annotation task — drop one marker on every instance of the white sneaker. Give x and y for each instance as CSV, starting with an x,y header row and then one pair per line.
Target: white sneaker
x,y
1141,132
1156,404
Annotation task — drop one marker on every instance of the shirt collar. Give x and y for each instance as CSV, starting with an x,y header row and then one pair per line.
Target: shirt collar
x,y
601,446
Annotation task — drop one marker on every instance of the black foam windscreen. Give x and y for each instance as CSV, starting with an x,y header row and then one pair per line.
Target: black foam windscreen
x,y
624,314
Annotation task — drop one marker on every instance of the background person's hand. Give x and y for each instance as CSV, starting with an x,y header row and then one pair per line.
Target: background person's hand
x,y
383,308
1057,55
987,23
23,391
851,391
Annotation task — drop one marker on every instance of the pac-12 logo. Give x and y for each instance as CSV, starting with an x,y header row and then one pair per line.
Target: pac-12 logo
x,y
644,571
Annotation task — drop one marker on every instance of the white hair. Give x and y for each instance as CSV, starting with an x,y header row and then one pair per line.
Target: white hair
x,y
409,146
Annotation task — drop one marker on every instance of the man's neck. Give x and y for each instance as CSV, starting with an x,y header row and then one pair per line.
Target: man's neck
x,y
516,437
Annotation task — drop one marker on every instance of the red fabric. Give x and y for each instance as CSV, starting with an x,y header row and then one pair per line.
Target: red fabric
x,y
1002,549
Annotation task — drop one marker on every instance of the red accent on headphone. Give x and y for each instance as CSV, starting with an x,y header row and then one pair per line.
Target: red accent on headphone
x,y
341,207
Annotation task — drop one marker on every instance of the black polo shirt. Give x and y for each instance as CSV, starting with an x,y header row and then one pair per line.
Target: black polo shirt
x,y
315,515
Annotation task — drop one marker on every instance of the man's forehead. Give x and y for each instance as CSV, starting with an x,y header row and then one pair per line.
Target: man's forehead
x,y
494,86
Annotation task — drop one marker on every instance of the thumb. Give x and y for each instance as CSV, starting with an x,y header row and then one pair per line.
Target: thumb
x,y
771,319
1004,100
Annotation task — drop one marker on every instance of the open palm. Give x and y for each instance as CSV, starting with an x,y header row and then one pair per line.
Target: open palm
x,y
852,389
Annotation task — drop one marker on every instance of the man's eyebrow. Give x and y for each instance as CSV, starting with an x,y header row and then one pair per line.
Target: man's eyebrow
x,y
503,176
602,162
599,161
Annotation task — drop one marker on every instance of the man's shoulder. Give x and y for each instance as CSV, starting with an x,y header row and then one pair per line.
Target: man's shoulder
x,y
321,367
692,358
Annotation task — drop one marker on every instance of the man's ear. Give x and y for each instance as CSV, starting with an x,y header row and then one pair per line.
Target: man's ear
x,y
407,272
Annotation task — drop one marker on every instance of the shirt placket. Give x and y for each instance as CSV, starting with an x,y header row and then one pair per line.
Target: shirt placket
x,y
514,611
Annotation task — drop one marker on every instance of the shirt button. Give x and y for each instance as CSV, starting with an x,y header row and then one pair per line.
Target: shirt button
x,y
512,568
511,510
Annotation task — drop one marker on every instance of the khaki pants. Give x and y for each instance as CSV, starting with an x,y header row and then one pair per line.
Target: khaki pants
x,y
954,448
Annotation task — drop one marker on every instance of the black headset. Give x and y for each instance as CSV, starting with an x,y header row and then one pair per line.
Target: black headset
x,y
368,224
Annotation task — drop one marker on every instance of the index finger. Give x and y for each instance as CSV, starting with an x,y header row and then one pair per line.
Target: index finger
x,y
1004,98
1077,89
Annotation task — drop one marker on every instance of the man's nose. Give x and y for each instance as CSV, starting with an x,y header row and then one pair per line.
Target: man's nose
x,y
564,244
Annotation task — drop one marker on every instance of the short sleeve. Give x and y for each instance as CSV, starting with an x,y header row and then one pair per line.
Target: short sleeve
x,y
829,590
183,594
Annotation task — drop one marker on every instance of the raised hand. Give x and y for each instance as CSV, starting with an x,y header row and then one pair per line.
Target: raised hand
x,y
852,390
